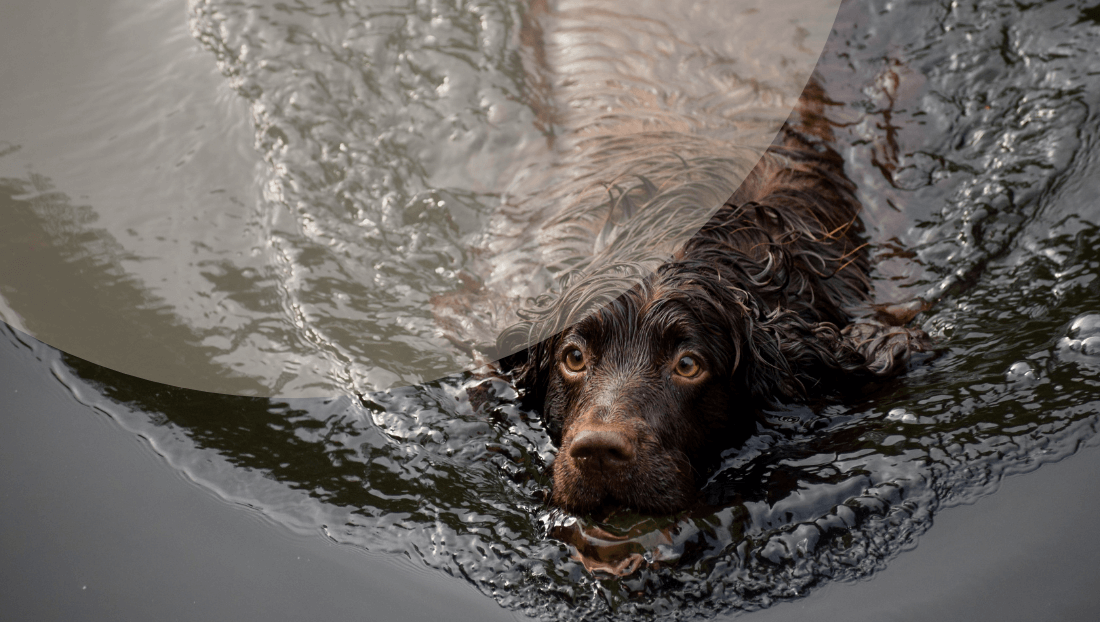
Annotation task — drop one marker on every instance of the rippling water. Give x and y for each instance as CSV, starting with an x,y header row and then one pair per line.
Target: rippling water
x,y
972,133
415,172
431,165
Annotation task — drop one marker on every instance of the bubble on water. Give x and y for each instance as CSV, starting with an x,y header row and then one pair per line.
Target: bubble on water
x,y
1084,326
1082,341
1021,371
902,415
1091,346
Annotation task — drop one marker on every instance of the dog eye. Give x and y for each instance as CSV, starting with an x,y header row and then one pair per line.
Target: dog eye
x,y
687,367
574,359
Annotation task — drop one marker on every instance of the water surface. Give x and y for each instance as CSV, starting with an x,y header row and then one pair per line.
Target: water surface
x,y
971,131
317,199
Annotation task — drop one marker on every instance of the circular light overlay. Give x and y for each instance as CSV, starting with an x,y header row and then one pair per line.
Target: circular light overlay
x,y
297,201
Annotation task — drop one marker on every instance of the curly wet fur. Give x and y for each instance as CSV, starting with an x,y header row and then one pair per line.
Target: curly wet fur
x,y
760,296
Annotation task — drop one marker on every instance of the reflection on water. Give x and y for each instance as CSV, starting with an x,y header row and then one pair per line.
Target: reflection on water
x,y
418,169
433,165
972,134
54,252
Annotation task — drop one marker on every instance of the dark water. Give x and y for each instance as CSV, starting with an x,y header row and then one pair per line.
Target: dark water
x,y
98,526
972,132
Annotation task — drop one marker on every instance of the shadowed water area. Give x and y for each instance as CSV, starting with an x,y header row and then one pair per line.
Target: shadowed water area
x,y
971,132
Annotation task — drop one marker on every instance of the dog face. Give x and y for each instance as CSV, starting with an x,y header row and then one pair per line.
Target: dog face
x,y
642,394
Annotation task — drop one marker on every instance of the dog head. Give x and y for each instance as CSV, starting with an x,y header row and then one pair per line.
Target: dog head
x,y
643,394
637,394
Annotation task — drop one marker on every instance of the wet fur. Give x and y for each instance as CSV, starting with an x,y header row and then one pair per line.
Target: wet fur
x,y
762,295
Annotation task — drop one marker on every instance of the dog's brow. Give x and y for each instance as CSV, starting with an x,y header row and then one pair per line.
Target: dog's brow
x,y
574,339
667,317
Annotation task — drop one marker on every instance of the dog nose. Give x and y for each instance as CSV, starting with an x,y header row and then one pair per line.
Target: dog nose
x,y
604,449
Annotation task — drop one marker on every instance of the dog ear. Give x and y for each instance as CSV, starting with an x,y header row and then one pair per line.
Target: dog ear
x,y
887,350
790,358
530,369
536,383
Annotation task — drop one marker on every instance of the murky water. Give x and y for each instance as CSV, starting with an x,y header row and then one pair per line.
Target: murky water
x,y
972,133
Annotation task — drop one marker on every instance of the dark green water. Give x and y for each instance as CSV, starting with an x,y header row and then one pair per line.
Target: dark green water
x,y
972,132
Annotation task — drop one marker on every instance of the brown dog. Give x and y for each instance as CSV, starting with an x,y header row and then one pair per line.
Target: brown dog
x,y
644,393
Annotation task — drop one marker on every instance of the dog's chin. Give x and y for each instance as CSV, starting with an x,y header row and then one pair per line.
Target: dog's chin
x,y
665,489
